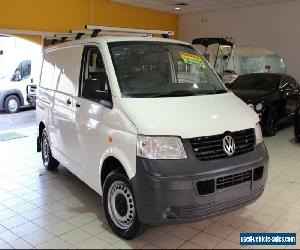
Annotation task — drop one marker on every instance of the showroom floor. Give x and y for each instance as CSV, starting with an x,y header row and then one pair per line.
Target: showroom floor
x,y
56,210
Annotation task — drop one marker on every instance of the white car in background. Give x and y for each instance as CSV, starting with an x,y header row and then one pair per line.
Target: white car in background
x,y
17,90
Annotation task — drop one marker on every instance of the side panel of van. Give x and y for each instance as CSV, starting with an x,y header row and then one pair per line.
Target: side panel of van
x,y
61,116
79,128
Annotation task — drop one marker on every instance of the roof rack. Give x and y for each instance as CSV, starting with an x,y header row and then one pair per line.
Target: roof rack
x,y
62,37
51,38
98,29
94,31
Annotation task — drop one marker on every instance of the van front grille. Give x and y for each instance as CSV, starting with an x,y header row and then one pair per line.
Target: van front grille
x,y
211,147
235,179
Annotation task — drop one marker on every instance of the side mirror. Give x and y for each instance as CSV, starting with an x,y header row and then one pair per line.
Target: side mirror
x,y
98,89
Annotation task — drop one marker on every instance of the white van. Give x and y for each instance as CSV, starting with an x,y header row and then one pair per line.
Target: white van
x,y
18,90
147,124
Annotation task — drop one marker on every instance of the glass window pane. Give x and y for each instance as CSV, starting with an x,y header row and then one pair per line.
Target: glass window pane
x,y
275,63
95,79
250,64
151,68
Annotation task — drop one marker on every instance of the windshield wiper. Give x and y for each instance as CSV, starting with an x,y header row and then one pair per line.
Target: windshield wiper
x,y
175,94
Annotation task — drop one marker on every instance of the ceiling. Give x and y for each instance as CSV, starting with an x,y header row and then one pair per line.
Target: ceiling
x,y
197,5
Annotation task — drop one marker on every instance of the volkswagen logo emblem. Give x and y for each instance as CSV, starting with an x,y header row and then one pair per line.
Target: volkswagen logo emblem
x,y
229,145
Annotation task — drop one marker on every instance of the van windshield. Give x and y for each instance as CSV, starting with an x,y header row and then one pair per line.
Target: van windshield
x,y
160,69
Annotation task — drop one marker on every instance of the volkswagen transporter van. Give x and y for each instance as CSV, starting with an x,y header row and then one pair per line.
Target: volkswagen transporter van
x,y
147,124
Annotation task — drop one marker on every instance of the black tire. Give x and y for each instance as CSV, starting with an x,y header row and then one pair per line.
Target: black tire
x,y
49,161
12,104
297,125
116,186
271,125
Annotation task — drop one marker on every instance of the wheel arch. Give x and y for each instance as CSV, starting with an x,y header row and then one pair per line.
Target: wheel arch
x,y
111,162
12,92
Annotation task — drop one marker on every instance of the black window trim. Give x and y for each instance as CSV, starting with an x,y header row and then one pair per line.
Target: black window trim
x,y
105,103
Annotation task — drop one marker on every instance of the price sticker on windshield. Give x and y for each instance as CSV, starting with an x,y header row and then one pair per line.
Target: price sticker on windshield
x,y
192,59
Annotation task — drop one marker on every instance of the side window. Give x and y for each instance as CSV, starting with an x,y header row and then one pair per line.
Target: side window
x,y
17,76
26,69
94,80
23,71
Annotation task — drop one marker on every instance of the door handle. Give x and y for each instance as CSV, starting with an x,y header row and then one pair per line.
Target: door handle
x,y
78,105
69,102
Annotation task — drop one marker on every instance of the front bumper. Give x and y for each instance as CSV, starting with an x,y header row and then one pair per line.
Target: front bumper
x,y
167,191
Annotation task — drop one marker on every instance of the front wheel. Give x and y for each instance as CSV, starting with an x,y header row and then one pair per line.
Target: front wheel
x,y
119,206
271,122
12,104
49,161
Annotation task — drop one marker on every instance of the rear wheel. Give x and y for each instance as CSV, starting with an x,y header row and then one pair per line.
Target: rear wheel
x,y
271,122
119,206
49,162
12,104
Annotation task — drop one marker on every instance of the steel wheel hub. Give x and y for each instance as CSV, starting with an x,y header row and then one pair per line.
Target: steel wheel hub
x,y
120,205
45,150
12,105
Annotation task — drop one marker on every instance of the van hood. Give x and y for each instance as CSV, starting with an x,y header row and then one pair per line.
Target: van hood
x,y
189,117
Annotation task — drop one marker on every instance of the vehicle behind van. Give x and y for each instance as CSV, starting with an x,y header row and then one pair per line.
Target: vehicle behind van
x,y
18,90
147,124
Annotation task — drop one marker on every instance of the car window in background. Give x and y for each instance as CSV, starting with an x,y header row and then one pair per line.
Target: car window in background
x,y
22,71
17,76
153,69
256,82
26,69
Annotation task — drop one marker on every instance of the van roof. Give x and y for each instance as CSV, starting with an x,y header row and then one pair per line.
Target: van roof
x,y
108,39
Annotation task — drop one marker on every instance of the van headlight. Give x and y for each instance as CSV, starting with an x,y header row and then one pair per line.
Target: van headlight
x,y
160,148
258,134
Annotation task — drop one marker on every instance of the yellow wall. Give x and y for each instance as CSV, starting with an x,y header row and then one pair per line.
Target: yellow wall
x,y
63,15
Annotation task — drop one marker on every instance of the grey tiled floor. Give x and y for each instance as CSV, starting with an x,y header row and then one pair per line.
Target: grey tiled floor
x,y
40,209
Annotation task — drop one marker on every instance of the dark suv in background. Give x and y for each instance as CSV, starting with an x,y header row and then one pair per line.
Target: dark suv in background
x,y
273,96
